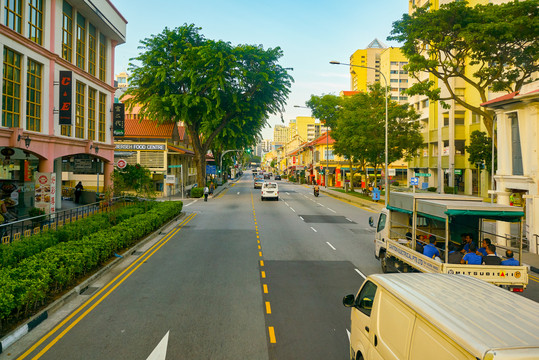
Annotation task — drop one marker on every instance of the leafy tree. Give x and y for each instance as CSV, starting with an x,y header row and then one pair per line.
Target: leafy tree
x,y
215,88
326,108
489,47
134,179
359,129
480,149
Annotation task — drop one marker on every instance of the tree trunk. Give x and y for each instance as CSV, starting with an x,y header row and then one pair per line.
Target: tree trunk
x,y
351,175
200,163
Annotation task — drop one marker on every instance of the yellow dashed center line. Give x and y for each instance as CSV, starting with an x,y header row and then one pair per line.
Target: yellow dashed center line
x,y
271,330
272,334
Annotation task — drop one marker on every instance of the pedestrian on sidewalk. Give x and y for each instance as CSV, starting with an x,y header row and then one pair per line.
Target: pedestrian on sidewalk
x,y
211,188
78,192
206,193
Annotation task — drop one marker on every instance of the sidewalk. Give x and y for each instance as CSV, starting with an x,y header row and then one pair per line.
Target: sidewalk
x,y
216,192
529,259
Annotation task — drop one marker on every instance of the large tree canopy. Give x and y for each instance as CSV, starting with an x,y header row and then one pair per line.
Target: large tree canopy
x,y
215,88
359,127
489,47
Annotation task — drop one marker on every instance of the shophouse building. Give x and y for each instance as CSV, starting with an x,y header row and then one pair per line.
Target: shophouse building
x,y
57,95
517,173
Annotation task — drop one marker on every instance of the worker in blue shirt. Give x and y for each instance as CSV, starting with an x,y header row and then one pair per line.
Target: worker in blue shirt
x,y
471,258
511,261
430,250
483,250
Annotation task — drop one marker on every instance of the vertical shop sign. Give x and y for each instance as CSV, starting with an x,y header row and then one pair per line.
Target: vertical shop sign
x,y
53,193
43,191
118,120
66,97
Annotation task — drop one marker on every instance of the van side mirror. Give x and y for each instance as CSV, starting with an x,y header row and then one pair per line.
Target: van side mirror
x,y
348,300
371,221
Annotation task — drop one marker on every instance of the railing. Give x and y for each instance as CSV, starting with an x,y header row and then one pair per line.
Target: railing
x,y
16,230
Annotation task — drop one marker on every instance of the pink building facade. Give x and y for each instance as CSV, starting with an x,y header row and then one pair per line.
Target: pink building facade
x,y
38,39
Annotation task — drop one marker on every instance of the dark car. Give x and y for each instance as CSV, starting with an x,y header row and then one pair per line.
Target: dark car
x,y
277,177
258,183
267,176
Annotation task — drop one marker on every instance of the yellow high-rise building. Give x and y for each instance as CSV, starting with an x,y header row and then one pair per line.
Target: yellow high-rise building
x,y
361,78
392,62
447,131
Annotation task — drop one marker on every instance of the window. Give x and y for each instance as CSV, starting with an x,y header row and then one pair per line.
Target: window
x,y
381,222
11,91
35,21
81,41
102,58
91,113
33,96
365,299
459,147
92,47
329,154
67,32
79,110
13,15
102,116
516,148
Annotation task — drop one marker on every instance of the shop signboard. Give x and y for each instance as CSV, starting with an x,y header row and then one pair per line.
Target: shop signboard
x,y
82,164
66,97
118,119
43,191
139,146
121,164
211,170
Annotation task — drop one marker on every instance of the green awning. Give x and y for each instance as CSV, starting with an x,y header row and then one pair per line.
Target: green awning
x,y
510,216
392,208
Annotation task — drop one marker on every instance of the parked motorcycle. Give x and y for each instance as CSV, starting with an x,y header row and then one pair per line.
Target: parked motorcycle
x,y
316,192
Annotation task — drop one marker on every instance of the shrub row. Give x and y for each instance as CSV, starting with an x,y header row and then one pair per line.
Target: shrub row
x,y
33,281
16,251
197,192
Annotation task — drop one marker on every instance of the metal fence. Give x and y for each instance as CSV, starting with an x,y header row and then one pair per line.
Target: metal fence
x,y
17,230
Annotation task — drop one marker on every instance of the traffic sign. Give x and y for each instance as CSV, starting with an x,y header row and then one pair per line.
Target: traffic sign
x,y
174,166
414,181
211,170
421,174
121,164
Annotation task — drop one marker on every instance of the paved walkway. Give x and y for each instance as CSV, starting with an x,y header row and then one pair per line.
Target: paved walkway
x,y
530,259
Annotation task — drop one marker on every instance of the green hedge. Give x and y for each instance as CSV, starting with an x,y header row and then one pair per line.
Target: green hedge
x,y
197,192
34,280
19,250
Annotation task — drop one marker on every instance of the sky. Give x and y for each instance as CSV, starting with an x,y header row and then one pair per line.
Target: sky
x,y
311,33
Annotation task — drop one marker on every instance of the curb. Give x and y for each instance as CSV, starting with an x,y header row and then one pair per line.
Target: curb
x,y
35,320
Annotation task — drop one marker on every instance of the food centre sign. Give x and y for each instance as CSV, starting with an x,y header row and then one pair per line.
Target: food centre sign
x,y
143,147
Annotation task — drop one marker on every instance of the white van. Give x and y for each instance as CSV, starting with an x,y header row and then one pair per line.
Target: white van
x,y
270,190
422,316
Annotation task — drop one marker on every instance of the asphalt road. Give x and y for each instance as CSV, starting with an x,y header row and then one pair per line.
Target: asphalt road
x,y
238,278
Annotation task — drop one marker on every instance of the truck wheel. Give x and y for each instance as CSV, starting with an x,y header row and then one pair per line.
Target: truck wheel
x,y
383,263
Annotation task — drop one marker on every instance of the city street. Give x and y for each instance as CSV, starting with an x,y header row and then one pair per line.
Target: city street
x,y
236,278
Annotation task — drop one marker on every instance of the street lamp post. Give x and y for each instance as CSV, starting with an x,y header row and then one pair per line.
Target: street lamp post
x,y
386,158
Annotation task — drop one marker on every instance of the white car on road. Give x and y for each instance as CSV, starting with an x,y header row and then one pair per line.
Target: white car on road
x,y
269,190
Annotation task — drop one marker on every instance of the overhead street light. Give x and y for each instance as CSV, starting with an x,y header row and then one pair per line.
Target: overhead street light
x,y
386,161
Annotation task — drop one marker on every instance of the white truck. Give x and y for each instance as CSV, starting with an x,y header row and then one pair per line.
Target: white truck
x,y
446,216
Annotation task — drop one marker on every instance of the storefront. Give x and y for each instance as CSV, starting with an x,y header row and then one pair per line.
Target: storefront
x,y
17,185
